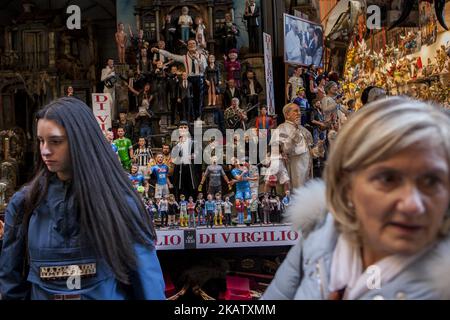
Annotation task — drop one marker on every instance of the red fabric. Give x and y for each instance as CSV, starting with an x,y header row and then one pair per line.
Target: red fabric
x,y
419,63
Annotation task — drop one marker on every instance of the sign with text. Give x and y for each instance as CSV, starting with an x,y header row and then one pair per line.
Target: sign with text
x,y
270,95
246,237
217,238
101,105
170,240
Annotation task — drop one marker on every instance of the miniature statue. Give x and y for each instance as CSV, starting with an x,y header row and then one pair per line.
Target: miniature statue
x,y
125,149
173,210
121,42
163,205
240,208
185,21
218,213
251,88
200,32
233,67
200,209
109,80
213,80
266,208
185,171
173,88
142,157
161,172
136,178
227,205
235,117
210,206
254,208
185,98
215,173
242,179
194,65
183,211
251,15
290,156
160,81
169,32
191,212
229,32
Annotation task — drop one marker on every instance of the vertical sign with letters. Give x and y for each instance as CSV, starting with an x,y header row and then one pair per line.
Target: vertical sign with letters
x,y
101,105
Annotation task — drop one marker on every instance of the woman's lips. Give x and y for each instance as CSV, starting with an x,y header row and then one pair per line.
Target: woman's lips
x,y
406,227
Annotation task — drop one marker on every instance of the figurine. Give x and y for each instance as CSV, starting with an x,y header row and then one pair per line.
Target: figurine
x,y
290,150
125,149
229,32
185,97
251,88
227,205
185,21
218,213
169,32
233,67
200,209
194,65
191,212
173,89
240,208
254,206
173,210
121,42
183,211
142,157
235,117
136,178
161,172
200,32
163,206
215,173
210,206
213,80
266,208
251,15
186,170
160,81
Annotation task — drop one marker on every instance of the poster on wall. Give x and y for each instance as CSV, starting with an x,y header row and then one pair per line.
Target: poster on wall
x,y
303,41
270,95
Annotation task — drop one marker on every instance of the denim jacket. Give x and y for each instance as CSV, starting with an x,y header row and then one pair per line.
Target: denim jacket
x,y
54,241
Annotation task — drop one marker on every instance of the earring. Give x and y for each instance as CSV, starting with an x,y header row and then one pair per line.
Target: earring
x,y
350,204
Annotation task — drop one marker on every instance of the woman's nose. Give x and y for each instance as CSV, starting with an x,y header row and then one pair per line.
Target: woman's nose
x,y
411,201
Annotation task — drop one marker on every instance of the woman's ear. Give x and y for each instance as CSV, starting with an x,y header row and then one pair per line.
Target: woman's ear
x,y
348,191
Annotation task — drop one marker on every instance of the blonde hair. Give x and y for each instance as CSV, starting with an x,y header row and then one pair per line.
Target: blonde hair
x,y
373,134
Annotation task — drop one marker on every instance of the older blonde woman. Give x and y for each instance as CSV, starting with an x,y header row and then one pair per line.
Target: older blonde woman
x,y
378,228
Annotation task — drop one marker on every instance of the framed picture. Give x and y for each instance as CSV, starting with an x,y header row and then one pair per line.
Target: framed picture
x,y
303,41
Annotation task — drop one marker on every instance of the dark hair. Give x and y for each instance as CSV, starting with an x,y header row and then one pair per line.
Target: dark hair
x,y
365,94
109,223
318,32
351,103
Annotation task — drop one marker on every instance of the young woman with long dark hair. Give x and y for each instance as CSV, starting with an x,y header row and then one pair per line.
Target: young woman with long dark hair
x,y
78,230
